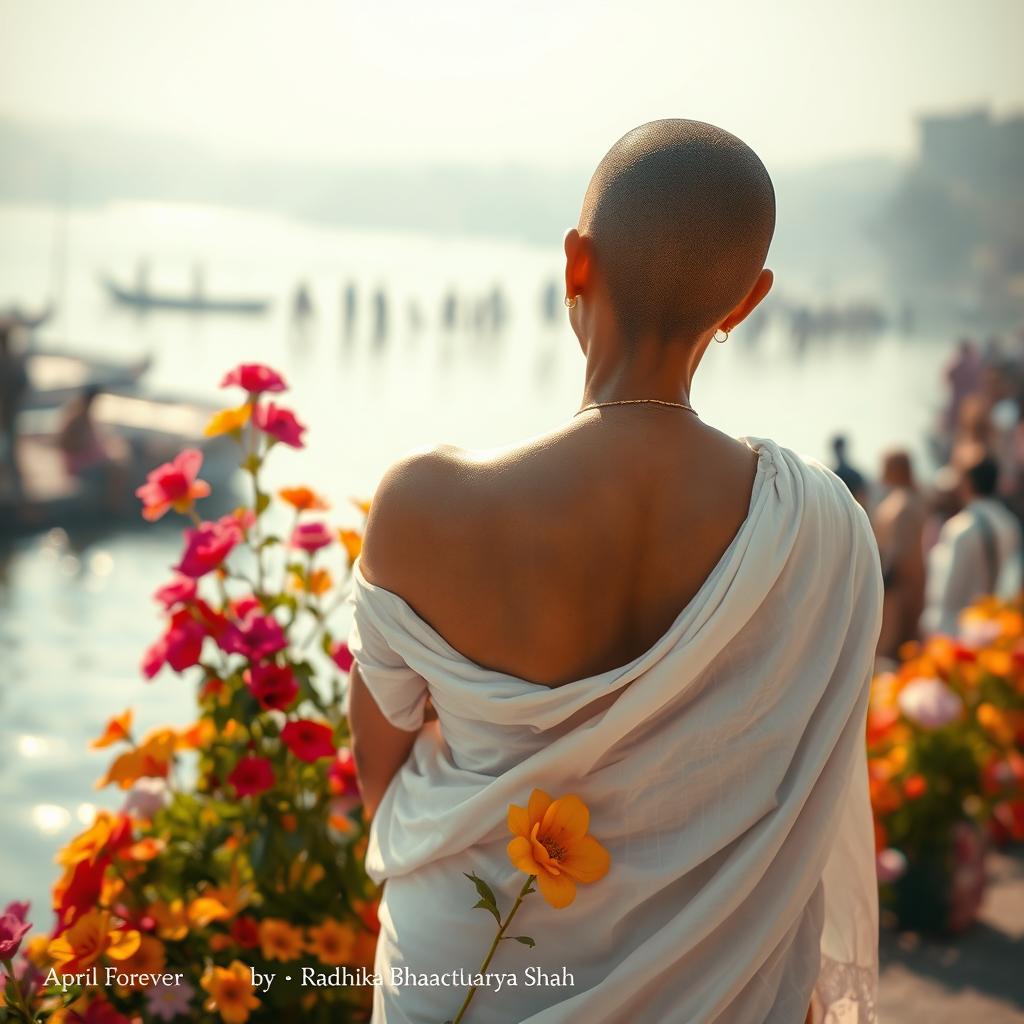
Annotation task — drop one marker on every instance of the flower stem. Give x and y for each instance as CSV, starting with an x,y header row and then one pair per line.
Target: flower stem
x,y
526,889
20,1006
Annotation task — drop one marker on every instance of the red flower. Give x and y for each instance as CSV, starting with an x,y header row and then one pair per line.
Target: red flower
x,y
307,740
257,636
251,776
254,378
208,545
341,776
173,485
180,646
342,656
915,786
312,536
274,686
245,931
180,590
279,423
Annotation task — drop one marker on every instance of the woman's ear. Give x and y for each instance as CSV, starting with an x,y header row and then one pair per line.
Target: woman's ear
x,y
577,262
762,286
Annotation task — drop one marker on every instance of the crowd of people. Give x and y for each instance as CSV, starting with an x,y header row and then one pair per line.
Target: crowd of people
x,y
945,545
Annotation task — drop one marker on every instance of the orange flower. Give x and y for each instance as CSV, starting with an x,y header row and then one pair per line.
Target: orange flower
x,y
551,842
332,943
149,958
197,736
118,728
228,420
151,758
317,583
171,919
145,849
363,504
303,499
230,991
996,722
279,940
352,541
89,938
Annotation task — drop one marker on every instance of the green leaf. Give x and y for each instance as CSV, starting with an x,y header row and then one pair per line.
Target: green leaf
x,y
485,891
489,907
525,940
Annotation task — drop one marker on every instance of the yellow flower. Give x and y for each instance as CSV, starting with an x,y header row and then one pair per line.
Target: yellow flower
x,y
318,583
352,541
332,943
227,420
89,938
230,991
279,940
118,728
996,723
551,842
89,843
303,499
206,909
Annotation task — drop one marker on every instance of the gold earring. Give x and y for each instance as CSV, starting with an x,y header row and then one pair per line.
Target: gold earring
x,y
725,335
570,301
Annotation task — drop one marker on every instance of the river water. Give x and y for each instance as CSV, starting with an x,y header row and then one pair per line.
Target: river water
x,y
75,613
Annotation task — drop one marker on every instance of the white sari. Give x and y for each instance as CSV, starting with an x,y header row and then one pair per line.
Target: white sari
x,y
724,770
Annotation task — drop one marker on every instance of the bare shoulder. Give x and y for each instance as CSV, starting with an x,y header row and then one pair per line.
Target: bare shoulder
x,y
417,503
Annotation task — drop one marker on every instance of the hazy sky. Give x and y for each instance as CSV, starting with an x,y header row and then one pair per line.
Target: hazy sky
x,y
553,82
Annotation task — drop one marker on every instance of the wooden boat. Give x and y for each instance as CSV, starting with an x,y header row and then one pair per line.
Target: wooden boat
x,y
150,430
56,376
144,299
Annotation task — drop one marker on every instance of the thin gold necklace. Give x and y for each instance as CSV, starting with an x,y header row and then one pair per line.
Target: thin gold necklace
x,y
637,401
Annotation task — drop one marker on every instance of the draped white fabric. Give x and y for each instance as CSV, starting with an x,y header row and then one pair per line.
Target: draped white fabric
x,y
724,770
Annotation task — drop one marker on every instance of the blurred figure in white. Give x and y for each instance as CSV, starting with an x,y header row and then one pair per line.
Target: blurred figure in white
x,y
978,551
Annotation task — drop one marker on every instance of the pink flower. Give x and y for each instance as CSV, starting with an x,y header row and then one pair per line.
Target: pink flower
x,y
341,776
12,930
208,545
170,1002
257,636
173,485
252,776
155,658
274,686
929,703
342,656
308,741
254,378
18,909
312,536
146,797
890,865
241,606
279,423
179,590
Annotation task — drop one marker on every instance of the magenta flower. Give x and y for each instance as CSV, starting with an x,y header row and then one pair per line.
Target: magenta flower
x,y
173,485
12,930
342,656
929,703
308,741
254,378
241,606
252,776
170,1002
279,423
312,536
257,636
274,686
19,909
179,590
208,545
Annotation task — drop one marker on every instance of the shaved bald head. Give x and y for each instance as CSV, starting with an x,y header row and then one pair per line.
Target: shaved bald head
x,y
680,215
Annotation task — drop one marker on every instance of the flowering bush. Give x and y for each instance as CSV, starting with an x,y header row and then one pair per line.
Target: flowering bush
x,y
945,749
237,856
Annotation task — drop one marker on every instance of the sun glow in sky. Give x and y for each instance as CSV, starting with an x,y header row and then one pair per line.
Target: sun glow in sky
x,y
480,81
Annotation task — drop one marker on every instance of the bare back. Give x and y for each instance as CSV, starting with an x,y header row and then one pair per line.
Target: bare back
x,y
568,555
